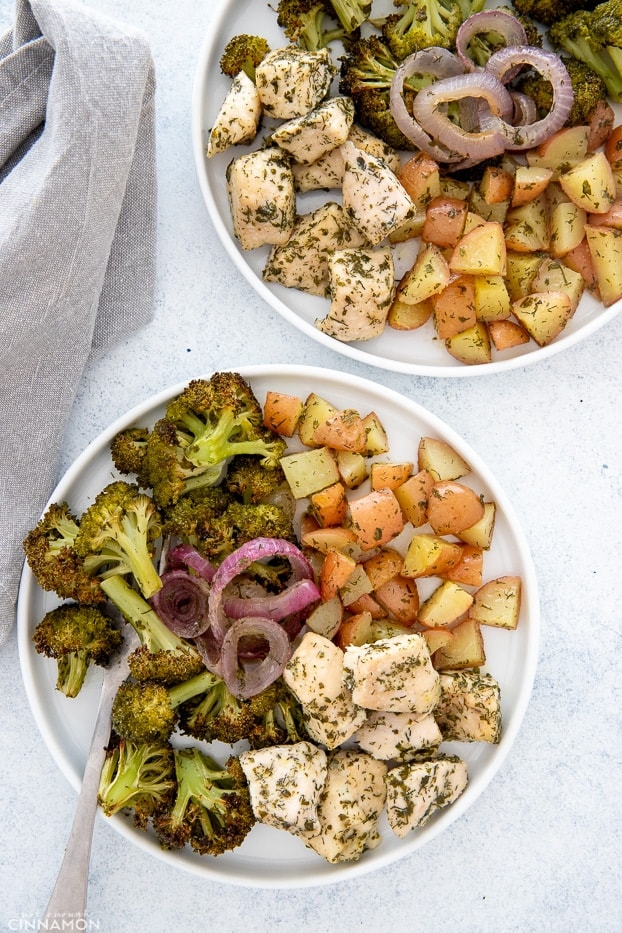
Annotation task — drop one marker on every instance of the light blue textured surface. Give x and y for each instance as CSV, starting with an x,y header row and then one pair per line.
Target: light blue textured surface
x,y
541,848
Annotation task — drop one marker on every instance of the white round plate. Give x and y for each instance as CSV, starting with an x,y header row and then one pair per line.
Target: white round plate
x,y
268,857
417,352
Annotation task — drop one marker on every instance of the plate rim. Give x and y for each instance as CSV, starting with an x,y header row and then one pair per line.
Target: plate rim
x,y
564,341
324,873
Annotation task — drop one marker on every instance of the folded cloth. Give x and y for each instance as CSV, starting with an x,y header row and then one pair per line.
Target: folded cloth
x,y
77,235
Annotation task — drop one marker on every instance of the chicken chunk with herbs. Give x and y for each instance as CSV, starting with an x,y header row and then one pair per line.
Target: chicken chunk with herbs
x,y
327,171
398,736
285,783
373,197
302,262
415,791
350,805
312,135
262,200
291,81
362,287
469,708
314,674
394,674
238,118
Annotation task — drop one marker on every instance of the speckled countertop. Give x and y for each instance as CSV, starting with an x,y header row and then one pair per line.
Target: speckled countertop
x,y
541,847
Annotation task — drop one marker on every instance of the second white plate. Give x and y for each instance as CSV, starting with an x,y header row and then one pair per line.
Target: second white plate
x,y
417,352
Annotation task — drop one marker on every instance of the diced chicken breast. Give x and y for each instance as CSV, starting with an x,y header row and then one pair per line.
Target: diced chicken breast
x,y
285,783
262,199
314,674
398,736
302,262
310,136
238,117
362,287
291,81
350,805
327,171
469,709
373,146
394,674
372,196
417,790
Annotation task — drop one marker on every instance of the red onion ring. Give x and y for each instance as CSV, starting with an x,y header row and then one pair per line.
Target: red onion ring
x,y
524,109
209,649
184,555
438,63
182,603
501,65
504,24
239,561
294,599
482,143
247,680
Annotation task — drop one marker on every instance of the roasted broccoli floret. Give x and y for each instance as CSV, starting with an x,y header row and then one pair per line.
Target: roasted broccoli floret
x,y
308,23
212,810
146,711
366,72
588,87
170,657
248,481
127,449
282,722
217,715
243,53
241,523
548,11
117,535
192,517
51,555
595,38
215,523
76,636
142,712
421,24
209,422
164,667
137,777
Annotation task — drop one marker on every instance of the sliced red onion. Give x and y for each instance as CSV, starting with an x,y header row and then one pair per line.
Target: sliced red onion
x,y
184,555
504,24
247,680
182,603
524,109
239,561
501,66
294,599
481,144
437,63
209,649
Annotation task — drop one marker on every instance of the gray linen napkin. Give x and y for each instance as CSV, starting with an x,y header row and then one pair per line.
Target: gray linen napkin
x,y
77,235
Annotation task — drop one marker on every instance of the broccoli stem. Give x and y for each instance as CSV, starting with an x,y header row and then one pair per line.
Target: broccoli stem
x,y
351,13
72,670
197,780
151,630
136,552
191,688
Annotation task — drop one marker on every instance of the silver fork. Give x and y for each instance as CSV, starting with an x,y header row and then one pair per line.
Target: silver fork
x,y
69,896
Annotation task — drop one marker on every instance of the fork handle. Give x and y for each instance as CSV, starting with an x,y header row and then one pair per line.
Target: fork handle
x,y
70,891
